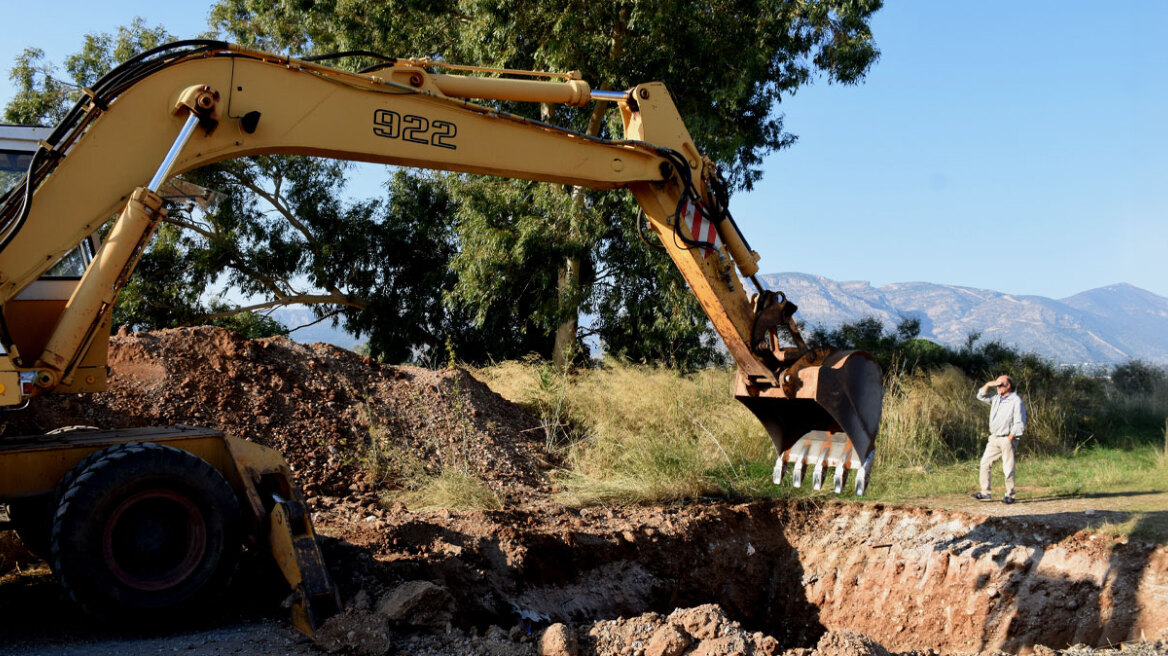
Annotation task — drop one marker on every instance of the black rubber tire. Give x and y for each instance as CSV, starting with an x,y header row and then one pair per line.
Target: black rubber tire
x,y
144,530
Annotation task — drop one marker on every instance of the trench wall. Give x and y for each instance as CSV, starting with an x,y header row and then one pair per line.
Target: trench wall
x,y
910,578
913,578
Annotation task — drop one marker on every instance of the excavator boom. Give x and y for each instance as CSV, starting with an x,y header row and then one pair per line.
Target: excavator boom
x,y
190,104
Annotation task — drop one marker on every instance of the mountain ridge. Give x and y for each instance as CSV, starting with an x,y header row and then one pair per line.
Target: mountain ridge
x,y
1104,325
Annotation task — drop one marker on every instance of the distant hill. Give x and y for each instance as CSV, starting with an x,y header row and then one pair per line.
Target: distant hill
x,y
294,316
1101,326
1105,325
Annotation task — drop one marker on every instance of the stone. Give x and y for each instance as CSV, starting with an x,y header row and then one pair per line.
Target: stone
x,y
558,640
849,643
667,640
417,603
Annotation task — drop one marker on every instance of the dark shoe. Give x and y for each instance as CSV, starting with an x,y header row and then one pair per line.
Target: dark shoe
x,y
982,496
1007,500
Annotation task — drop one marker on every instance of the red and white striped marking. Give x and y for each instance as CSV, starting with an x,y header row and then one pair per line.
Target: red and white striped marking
x,y
700,227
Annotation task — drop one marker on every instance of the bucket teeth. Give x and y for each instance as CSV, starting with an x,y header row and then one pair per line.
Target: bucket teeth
x,y
822,450
864,473
841,476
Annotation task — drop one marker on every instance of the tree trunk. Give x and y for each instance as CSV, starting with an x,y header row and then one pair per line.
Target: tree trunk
x,y
565,347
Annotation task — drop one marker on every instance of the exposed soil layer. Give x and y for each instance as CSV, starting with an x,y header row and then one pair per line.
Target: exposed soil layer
x,y
535,577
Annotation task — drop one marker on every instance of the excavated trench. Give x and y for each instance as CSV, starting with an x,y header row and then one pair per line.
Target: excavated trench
x,y
909,578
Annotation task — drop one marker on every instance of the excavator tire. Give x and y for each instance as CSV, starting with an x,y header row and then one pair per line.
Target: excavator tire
x,y
144,530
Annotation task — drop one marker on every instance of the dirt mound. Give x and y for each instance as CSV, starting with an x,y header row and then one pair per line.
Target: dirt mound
x,y
341,420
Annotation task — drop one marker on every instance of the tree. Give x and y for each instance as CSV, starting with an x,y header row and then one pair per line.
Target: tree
x,y
1136,377
278,231
525,260
728,63
42,99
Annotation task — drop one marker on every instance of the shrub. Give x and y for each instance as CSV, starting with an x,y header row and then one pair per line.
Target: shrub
x,y
1136,377
930,418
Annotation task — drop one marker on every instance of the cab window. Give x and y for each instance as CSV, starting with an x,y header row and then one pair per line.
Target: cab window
x,y
12,168
73,264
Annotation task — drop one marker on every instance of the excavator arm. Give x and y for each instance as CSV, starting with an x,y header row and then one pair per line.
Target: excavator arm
x,y
250,103
187,105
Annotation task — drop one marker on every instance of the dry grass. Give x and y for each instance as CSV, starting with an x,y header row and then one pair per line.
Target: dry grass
x,y
656,435
929,418
632,433
933,418
453,490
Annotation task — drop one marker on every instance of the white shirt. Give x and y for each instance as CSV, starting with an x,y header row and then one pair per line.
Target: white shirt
x,y
1007,413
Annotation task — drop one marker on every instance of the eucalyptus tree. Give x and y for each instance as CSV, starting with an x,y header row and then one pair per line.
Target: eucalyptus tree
x,y
728,63
274,231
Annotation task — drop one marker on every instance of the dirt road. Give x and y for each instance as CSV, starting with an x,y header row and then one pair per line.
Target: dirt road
x,y
1148,511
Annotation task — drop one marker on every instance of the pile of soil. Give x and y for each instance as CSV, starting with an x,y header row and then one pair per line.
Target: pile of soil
x,y
341,420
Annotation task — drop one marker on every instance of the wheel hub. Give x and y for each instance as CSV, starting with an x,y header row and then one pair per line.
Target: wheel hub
x,y
154,539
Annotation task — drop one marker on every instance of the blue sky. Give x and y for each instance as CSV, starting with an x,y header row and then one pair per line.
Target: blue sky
x,y
1019,146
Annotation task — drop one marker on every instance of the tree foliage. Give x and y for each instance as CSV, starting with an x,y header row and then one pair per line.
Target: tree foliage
x,y
728,62
42,98
1139,377
901,349
278,231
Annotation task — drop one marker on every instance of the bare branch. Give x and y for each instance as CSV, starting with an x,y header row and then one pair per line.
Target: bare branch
x,y
330,315
275,200
303,299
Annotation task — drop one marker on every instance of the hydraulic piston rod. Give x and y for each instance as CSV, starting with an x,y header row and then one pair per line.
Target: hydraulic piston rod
x,y
180,142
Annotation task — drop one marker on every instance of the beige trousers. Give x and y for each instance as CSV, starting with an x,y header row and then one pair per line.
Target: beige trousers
x,y
998,447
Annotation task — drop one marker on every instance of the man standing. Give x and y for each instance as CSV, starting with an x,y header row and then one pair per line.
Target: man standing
x,y
1007,422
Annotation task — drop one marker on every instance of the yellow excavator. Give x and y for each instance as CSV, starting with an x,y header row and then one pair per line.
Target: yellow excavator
x,y
150,521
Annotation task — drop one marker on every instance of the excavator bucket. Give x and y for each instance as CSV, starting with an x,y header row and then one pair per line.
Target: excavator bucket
x,y
824,415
